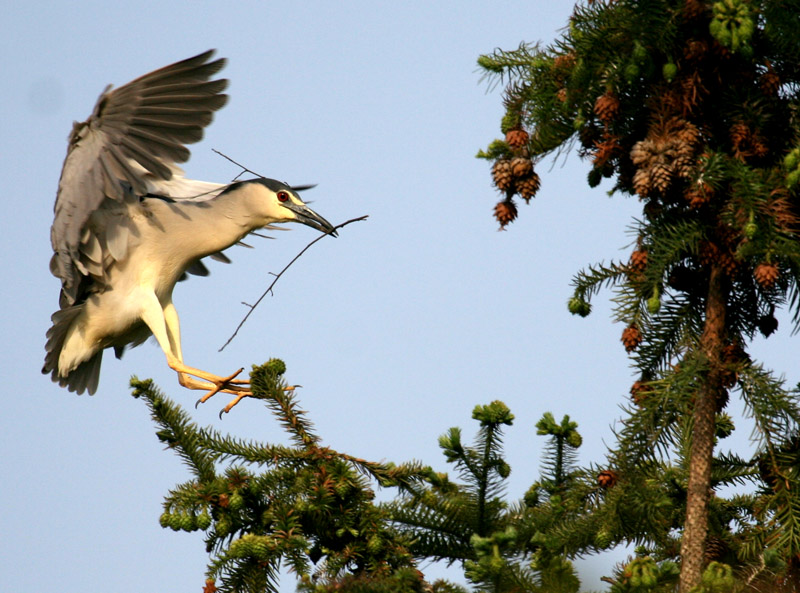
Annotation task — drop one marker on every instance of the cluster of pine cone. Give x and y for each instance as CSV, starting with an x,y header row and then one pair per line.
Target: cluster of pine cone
x,y
514,175
666,152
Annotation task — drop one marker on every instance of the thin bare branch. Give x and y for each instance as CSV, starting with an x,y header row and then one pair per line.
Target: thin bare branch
x,y
244,169
279,274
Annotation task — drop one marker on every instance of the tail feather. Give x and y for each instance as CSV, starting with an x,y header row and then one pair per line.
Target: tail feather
x,y
86,376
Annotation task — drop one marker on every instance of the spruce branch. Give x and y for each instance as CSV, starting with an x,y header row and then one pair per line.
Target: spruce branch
x,y
267,384
774,410
177,432
277,505
590,282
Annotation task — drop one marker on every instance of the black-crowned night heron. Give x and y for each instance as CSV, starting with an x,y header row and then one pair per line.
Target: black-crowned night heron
x,y
128,225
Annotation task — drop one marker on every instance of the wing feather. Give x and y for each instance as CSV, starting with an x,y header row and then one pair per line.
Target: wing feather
x,y
133,139
91,248
221,257
117,237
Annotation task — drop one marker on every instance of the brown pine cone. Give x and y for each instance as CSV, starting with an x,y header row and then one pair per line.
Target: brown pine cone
x,y
516,138
639,392
644,155
564,61
711,254
660,177
501,174
687,135
521,167
505,212
642,152
606,107
698,194
638,261
631,338
641,182
766,274
695,198
607,478
528,186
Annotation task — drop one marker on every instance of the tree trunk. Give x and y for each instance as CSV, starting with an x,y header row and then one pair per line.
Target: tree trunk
x,y
702,449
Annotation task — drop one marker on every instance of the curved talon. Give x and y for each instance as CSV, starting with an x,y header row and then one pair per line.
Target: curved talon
x,y
233,402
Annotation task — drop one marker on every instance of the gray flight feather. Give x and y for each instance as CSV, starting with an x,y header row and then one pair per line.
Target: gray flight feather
x,y
133,140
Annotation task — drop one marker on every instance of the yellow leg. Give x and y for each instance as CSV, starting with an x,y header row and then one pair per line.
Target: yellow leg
x,y
165,325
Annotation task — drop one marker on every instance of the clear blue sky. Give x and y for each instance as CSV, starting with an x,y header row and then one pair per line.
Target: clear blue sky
x,y
396,330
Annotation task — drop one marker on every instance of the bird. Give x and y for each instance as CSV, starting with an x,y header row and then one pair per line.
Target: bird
x,y
128,225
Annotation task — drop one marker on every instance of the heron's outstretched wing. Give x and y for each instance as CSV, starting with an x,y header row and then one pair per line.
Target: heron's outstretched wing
x,y
134,137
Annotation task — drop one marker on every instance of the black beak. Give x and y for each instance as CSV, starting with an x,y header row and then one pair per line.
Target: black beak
x,y
308,217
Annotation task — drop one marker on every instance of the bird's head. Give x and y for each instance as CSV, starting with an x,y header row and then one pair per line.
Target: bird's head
x,y
279,202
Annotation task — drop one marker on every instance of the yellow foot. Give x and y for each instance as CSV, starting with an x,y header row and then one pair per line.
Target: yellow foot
x,y
230,384
240,395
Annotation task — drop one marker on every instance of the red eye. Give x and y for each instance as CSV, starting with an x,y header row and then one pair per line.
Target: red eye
x,y
283,196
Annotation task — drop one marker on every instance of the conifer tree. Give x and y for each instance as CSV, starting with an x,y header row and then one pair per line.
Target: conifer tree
x,y
502,547
692,106
309,508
